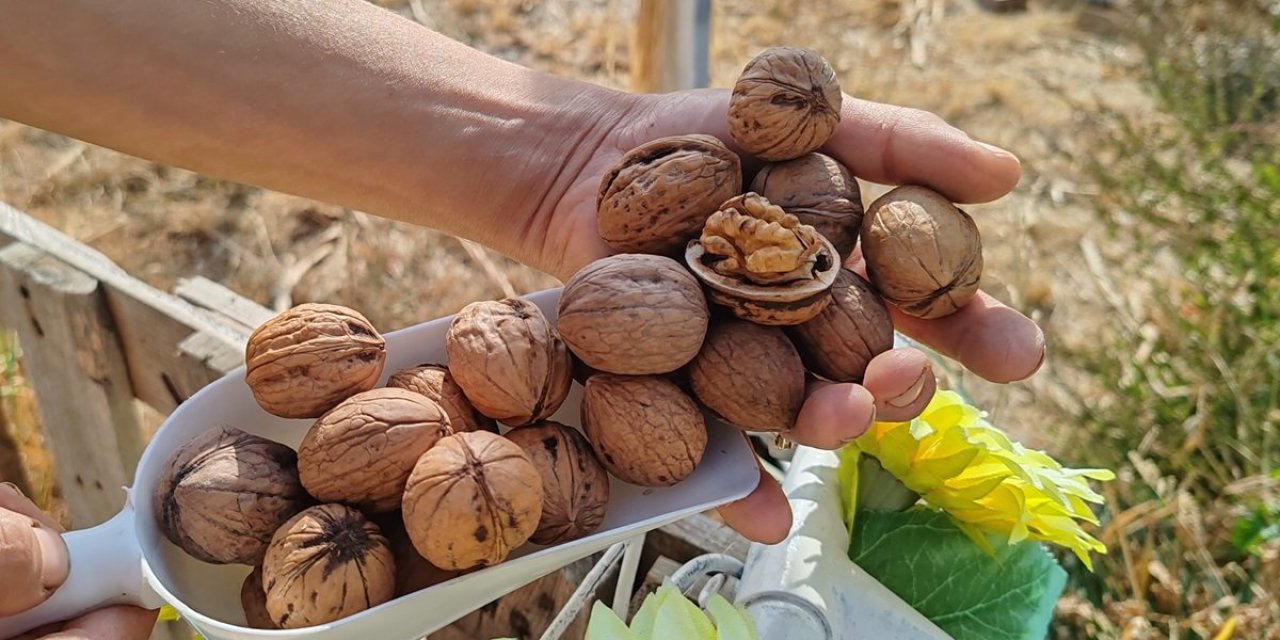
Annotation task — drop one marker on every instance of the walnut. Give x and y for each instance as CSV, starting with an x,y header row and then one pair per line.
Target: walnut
x,y
360,453
818,191
762,264
306,360
509,360
923,254
644,429
633,314
222,495
471,500
413,572
326,563
750,375
575,486
253,598
785,104
435,382
840,342
655,199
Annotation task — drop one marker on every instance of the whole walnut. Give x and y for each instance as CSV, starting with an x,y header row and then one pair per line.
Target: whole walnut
x,y
471,500
840,342
326,563
510,362
413,572
306,360
575,486
655,199
819,192
253,599
762,263
222,495
360,453
644,429
923,254
633,314
435,382
750,375
785,104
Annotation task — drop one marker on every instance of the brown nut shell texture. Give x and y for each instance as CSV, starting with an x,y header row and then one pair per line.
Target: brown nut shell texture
x,y
840,342
574,484
820,192
222,495
361,452
750,375
471,500
326,563
435,382
306,360
510,362
785,104
644,429
655,199
413,572
253,599
923,254
633,314
762,264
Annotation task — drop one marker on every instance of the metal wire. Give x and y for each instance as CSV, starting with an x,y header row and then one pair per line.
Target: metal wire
x,y
627,577
584,592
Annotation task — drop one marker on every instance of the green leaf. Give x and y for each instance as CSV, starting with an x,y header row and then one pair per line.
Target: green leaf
x,y
604,624
678,617
1260,526
921,556
732,623
642,621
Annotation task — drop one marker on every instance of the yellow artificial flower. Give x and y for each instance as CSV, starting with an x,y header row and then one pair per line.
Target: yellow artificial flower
x,y
957,462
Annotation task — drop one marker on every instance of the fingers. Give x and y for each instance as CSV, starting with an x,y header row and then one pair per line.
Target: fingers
x,y
33,559
897,145
987,337
763,516
13,500
111,623
902,382
833,414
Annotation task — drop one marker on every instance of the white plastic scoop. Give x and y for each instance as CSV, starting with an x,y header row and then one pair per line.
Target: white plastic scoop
x,y
128,560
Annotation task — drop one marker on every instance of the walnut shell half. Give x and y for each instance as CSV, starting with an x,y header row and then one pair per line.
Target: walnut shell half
x,y
840,342
471,500
785,104
574,484
762,264
750,375
361,452
435,382
818,191
326,563
644,429
510,362
655,199
306,360
923,254
222,495
633,314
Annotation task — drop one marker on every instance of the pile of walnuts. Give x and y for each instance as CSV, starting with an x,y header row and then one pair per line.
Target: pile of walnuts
x,y
724,297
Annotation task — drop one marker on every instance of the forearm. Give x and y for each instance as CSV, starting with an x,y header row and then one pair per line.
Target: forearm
x,y
335,100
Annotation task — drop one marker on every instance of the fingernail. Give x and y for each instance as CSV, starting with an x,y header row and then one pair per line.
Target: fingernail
x,y
906,398
870,422
998,152
53,556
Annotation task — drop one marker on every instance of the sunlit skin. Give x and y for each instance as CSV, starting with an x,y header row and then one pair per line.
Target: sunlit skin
x,y
341,101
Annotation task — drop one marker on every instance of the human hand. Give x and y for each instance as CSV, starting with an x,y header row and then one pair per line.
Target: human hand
x,y
879,143
33,561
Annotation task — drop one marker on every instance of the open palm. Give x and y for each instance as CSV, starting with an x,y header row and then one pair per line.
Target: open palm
x,y
878,143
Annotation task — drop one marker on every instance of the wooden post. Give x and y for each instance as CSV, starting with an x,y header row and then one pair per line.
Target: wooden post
x,y
74,359
669,47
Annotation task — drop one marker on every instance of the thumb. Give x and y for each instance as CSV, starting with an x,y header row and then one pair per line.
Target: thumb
x,y
33,558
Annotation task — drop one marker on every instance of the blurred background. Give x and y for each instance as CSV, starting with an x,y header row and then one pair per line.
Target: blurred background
x,y
1144,238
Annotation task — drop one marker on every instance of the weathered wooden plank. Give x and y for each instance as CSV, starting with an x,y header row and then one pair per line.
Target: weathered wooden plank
x,y
74,358
150,322
526,612
243,313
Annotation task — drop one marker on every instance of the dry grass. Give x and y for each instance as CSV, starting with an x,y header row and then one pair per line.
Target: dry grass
x,y
1015,80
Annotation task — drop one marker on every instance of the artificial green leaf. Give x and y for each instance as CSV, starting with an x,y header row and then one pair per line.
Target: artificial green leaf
x,y
922,556
678,617
642,621
604,624
732,623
